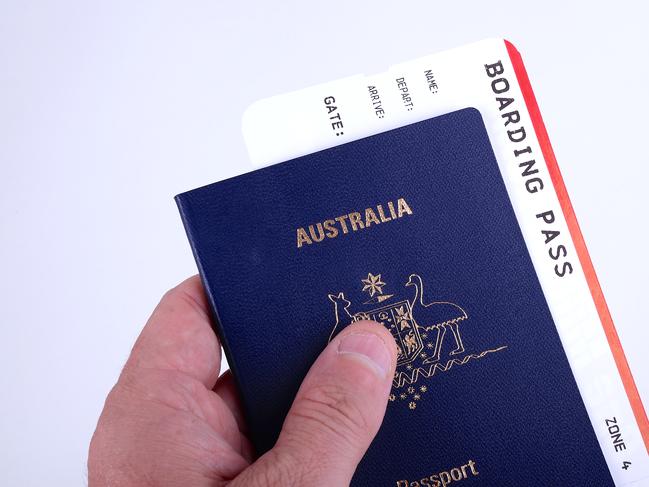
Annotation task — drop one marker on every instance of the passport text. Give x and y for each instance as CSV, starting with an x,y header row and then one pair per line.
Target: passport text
x,y
352,222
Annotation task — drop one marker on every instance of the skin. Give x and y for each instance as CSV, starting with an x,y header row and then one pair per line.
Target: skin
x,y
171,420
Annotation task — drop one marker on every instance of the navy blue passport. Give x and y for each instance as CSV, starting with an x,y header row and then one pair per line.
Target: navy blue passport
x,y
412,228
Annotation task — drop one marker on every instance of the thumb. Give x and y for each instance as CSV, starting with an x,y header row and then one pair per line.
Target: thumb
x,y
336,413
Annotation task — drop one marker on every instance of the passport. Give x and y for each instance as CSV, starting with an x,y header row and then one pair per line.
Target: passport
x,y
413,228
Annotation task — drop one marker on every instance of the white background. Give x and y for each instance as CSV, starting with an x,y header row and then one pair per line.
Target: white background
x,y
107,110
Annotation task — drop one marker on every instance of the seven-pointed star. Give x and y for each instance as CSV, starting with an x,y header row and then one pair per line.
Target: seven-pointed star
x,y
403,316
373,284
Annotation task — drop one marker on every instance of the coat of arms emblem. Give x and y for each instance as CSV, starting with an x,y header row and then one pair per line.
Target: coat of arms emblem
x,y
422,331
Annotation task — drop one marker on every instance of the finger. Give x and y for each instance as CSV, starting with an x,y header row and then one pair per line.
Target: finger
x,y
179,337
337,411
227,390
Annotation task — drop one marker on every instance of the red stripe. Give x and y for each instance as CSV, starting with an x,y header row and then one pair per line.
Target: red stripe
x,y
580,245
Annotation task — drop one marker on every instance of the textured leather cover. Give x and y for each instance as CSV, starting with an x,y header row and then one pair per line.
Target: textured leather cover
x,y
483,394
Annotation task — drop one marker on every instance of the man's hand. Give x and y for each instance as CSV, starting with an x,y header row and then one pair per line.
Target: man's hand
x,y
170,420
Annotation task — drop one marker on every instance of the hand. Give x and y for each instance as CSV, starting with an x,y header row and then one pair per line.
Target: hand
x,y
170,420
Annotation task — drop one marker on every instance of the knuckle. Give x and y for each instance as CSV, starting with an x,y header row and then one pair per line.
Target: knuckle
x,y
335,410
180,296
283,472
277,468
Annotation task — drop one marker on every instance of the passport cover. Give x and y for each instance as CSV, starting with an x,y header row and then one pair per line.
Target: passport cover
x,y
412,228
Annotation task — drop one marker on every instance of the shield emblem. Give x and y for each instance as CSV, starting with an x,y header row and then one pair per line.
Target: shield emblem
x,y
398,319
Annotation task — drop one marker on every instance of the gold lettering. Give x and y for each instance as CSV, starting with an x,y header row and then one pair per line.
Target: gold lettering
x,y
341,220
392,212
442,479
302,238
370,217
403,207
320,236
355,220
352,222
330,227
382,216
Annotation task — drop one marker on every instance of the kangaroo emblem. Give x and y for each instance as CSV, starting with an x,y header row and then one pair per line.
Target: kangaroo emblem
x,y
341,307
